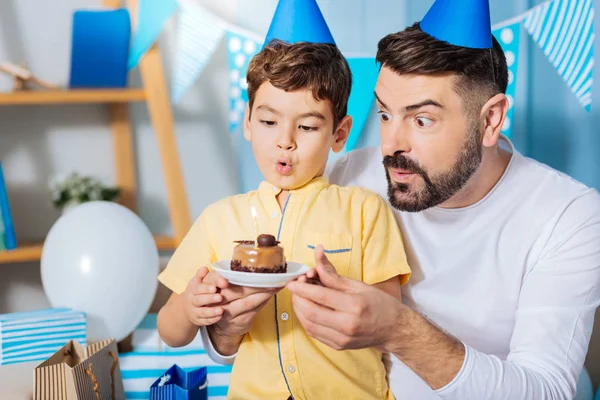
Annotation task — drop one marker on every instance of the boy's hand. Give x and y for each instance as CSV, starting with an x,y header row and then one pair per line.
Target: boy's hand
x,y
199,295
239,304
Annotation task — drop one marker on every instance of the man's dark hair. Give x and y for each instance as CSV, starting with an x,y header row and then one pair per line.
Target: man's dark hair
x,y
482,73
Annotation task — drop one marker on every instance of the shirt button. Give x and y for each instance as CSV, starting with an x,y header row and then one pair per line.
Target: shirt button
x,y
291,369
285,316
274,214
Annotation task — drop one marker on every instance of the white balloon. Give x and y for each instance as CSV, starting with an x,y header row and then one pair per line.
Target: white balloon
x,y
100,258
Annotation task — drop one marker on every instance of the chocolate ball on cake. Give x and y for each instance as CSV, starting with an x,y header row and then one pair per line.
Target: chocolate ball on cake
x,y
263,256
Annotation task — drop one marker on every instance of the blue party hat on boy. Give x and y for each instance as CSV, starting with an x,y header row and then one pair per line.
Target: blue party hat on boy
x,y
299,21
464,23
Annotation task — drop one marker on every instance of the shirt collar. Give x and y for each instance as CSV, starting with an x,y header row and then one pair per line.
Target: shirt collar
x,y
315,184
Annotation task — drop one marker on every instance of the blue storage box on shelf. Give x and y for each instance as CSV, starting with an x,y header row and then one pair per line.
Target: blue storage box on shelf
x,y
100,49
36,335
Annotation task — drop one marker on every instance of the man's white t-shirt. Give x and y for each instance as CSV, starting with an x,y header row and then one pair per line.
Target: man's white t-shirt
x,y
515,277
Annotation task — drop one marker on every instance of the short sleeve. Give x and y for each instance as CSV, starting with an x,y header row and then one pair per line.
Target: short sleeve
x,y
194,252
383,251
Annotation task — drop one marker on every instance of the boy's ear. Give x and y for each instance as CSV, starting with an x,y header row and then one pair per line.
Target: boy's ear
x,y
340,136
247,132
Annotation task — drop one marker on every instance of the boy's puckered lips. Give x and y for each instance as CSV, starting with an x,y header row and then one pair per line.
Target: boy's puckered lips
x,y
284,166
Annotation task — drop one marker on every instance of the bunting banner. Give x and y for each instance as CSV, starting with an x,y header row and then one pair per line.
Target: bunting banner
x,y
509,36
151,18
362,96
240,50
564,30
199,33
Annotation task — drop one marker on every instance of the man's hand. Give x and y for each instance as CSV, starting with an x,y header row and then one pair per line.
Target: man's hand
x,y
341,312
346,314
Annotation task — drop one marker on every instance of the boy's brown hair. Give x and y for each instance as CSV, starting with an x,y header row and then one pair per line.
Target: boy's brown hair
x,y
315,66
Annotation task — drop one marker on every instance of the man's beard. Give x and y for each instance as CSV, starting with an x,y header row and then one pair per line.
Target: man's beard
x,y
438,188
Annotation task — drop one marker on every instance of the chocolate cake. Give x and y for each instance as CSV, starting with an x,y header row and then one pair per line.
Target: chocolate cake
x,y
264,256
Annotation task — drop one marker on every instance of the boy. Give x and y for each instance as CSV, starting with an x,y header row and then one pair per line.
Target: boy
x,y
296,115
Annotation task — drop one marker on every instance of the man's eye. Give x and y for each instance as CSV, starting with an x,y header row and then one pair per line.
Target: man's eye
x,y
423,122
307,128
268,123
385,117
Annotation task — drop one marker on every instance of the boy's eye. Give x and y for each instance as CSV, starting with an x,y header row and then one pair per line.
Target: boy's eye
x,y
423,122
267,123
307,128
385,117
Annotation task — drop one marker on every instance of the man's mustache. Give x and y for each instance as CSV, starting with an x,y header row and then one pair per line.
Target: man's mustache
x,y
399,161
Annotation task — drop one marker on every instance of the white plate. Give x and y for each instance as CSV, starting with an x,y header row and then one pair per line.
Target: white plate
x,y
261,280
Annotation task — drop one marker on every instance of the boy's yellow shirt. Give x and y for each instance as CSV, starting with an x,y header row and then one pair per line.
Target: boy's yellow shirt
x,y
361,239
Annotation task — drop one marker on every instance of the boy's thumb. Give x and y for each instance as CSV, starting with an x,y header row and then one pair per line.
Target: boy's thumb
x,y
201,274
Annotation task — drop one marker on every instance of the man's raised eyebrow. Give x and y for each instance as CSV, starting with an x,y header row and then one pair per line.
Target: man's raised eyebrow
x,y
424,103
381,102
413,107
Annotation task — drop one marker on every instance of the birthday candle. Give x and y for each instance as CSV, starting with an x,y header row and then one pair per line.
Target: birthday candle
x,y
254,217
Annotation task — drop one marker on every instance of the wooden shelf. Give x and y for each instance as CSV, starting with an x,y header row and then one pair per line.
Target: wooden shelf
x,y
80,96
33,252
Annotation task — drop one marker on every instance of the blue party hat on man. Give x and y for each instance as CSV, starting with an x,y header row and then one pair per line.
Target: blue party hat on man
x,y
299,21
464,23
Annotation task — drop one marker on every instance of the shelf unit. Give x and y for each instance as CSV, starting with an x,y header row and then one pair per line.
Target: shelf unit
x,y
155,94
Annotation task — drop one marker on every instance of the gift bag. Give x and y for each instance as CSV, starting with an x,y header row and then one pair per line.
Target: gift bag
x,y
80,373
177,384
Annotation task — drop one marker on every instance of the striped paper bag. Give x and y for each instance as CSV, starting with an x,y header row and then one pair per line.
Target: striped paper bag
x,y
80,373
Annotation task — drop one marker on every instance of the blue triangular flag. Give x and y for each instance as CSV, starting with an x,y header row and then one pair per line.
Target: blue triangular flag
x,y
152,16
509,36
299,21
364,77
464,23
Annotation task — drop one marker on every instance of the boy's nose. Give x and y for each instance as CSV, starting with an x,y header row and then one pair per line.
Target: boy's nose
x,y
286,141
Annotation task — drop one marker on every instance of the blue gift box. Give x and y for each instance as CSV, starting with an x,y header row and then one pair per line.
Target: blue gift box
x,y
177,384
151,357
36,335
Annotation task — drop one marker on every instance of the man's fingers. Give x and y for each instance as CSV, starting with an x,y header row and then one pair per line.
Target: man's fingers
x,y
330,298
324,334
327,273
320,315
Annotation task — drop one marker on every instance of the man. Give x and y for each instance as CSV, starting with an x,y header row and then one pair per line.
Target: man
x,y
505,251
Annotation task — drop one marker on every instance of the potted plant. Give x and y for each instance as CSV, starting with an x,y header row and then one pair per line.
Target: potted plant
x,y
77,189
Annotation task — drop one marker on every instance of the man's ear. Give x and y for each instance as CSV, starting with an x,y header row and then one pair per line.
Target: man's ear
x,y
340,136
247,132
493,115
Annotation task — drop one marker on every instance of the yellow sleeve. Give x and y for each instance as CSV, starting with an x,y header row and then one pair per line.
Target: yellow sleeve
x,y
383,252
195,251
